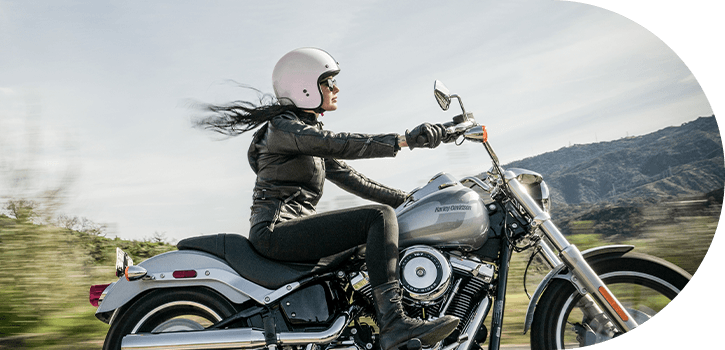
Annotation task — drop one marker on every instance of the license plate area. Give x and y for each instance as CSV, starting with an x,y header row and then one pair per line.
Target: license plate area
x,y
123,260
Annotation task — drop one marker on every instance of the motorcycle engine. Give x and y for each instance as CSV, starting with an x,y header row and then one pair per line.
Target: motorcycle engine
x,y
425,273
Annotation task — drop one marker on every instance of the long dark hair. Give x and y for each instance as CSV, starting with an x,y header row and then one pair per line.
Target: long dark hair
x,y
237,117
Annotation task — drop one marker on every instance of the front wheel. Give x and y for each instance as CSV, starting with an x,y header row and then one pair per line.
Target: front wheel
x,y
169,310
642,283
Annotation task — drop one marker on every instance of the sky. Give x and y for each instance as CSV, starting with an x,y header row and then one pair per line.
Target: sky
x,y
95,96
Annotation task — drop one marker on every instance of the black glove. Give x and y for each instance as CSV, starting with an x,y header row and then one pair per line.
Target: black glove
x,y
425,135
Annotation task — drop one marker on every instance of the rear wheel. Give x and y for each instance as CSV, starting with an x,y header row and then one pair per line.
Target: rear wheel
x,y
169,310
643,284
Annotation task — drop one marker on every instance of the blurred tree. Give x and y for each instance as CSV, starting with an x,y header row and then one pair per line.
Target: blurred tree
x,y
159,237
41,270
20,209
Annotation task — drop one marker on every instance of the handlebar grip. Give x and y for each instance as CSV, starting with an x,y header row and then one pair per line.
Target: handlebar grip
x,y
459,119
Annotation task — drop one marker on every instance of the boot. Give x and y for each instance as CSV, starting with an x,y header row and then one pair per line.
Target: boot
x,y
396,328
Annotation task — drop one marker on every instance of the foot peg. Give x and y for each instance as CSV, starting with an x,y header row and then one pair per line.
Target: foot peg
x,y
412,344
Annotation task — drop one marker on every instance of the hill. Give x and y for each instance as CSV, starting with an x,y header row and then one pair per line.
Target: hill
x,y
675,161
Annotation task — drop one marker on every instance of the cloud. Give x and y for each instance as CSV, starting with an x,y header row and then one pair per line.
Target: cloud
x,y
7,91
688,80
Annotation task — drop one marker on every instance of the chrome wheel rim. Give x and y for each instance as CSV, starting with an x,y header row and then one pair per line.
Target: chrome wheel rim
x,y
641,313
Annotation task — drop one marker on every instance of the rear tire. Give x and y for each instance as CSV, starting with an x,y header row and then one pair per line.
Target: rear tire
x,y
642,283
168,310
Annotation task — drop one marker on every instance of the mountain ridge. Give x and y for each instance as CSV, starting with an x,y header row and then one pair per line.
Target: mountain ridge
x,y
674,161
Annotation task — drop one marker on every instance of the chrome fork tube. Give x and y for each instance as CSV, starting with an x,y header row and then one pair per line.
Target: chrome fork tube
x,y
549,255
588,306
572,257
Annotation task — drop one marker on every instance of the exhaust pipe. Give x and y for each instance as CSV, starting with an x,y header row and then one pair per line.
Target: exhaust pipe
x,y
242,338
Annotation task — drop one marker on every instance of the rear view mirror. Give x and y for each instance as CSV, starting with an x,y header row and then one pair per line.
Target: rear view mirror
x,y
442,95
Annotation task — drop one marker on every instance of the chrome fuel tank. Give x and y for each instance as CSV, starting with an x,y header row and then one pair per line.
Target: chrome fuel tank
x,y
443,213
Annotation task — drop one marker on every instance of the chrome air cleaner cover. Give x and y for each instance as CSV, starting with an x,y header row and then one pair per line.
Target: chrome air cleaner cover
x,y
425,273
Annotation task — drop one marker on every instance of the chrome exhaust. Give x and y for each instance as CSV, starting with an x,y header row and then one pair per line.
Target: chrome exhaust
x,y
242,338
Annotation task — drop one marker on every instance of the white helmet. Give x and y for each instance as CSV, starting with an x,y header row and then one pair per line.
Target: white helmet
x,y
297,75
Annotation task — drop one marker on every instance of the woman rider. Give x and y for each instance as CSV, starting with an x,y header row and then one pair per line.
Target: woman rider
x,y
292,156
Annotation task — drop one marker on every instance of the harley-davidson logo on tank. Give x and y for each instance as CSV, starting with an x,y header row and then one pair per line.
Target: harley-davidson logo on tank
x,y
454,207
443,213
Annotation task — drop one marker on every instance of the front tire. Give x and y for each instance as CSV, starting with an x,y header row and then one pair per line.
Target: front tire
x,y
169,310
642,283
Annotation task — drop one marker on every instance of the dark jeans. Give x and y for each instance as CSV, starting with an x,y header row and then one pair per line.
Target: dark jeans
x,y
316,236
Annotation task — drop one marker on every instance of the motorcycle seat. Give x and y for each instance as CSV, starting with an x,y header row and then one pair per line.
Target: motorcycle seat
x,y
241,256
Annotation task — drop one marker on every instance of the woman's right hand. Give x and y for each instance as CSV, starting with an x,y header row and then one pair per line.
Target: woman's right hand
x,y
425,135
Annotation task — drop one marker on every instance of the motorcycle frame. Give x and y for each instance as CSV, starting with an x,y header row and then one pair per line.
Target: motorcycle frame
x,y
214,273
500,302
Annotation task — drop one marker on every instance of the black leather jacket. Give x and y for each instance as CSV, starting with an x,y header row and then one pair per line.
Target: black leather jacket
x,y
292,156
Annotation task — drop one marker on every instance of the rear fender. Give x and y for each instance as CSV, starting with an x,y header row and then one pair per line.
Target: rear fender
x,y
589,254
211,272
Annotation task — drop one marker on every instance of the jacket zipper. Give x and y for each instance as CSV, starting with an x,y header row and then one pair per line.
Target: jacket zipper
x,y
365,147
279,208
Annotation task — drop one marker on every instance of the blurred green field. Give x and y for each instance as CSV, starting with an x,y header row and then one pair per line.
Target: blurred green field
x,y
45,275
46,270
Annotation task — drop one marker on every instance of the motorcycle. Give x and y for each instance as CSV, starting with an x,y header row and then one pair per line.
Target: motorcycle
x,y
457,237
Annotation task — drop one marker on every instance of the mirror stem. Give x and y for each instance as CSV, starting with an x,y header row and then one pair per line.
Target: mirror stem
x,y
460,102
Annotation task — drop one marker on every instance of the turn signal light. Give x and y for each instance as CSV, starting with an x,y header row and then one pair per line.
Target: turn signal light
x,y
614,304
134,273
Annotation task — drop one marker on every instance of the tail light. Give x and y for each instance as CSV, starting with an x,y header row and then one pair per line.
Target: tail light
x,y
184,274
96,293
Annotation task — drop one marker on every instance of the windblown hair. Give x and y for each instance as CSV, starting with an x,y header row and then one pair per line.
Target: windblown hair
x,y
238,117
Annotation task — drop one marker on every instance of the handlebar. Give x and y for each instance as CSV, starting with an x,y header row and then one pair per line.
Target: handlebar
x,y
465,125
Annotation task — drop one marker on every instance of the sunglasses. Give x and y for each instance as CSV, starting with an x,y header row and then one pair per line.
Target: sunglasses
x,y
330,83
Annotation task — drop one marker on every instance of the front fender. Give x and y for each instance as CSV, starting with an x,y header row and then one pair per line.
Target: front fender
x,y
556,273
211,272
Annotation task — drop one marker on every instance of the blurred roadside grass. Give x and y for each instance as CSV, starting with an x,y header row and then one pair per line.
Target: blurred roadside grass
x,y
47,269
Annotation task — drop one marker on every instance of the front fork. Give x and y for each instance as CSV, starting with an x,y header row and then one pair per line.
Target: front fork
x,y
584,278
